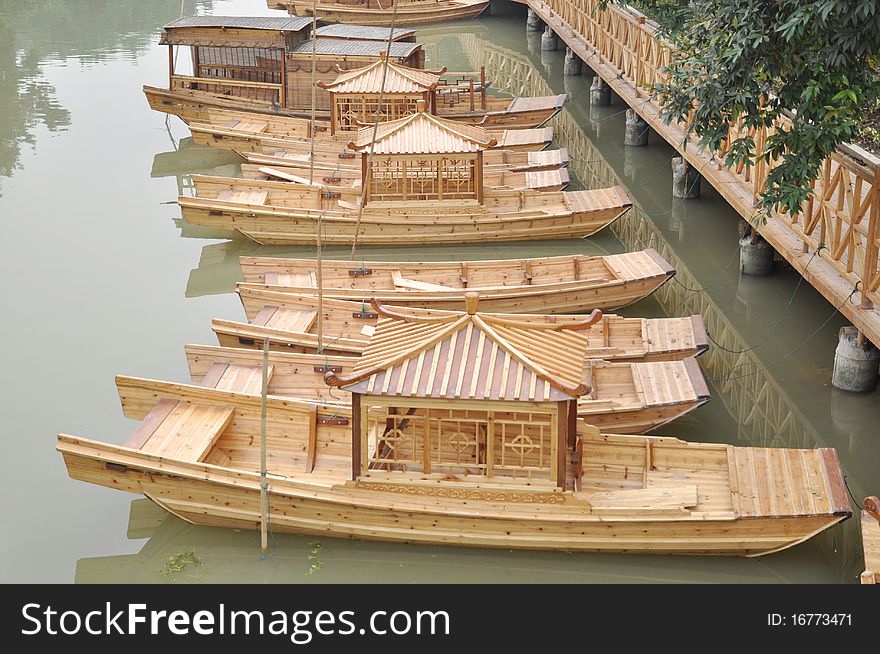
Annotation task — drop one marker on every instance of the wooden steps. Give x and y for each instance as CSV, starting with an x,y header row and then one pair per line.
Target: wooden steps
x,y
785,482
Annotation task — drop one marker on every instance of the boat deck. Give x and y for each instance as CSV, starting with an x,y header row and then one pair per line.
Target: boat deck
x,y
774,481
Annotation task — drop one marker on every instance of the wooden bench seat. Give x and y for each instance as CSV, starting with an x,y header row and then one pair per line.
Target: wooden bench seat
x,y
180,430
243,197
665,499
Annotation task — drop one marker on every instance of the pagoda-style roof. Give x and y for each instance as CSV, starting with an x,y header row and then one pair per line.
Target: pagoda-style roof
x,y
467,355
397,79
422,133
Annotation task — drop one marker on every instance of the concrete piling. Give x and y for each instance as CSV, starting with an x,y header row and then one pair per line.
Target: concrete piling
x,y
685,180
755,256
549,40
572,63
600,93
856,362
534,22
636,132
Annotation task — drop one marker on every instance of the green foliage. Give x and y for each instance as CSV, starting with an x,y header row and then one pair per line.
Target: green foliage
x,y
180,563
815,60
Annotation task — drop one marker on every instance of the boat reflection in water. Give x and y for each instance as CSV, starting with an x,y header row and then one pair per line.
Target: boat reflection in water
x,y
227,556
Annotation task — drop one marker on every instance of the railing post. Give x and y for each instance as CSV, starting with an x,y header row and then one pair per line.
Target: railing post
x,y
872,233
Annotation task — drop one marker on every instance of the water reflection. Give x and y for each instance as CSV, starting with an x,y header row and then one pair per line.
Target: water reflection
x,y
47,32
227,555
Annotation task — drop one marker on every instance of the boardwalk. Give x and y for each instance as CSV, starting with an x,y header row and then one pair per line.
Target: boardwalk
x,y
844,215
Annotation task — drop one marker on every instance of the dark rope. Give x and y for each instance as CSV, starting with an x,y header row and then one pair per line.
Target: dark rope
x,y
795,349
779,319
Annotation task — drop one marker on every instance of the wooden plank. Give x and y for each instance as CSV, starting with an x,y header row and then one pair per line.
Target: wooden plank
x,y
214,374
293,320
149,424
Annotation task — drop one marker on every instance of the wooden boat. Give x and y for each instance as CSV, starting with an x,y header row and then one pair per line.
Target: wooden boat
x,y
514,159
347,184
479,462
625,397
263,135
871,540
414,195
264,66
562,284
409,12
290,322
388,91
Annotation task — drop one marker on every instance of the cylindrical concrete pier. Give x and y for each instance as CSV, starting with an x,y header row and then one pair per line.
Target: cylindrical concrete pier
x,y
549,40
534,22
600,93
685,180
572,63
637,129
855,363
755,257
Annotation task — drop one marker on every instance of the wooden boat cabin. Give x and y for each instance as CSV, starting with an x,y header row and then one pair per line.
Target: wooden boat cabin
x,y
469,395
380,12
355,94
265,63
422,157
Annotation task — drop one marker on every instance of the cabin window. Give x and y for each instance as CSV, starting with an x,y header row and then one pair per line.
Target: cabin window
x,y
258,68
507,444
423,179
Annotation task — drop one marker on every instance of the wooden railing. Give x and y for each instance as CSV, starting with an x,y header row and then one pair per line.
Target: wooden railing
x,y
843,213
260,91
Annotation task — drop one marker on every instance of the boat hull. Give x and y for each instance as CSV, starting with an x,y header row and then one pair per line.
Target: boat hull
x,y
438,12
210,496
194,107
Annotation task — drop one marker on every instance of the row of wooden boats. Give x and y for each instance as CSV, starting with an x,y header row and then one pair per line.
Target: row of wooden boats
x,y
483,403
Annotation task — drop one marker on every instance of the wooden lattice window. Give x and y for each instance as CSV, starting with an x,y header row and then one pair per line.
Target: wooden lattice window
x,y
512,445
423,179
